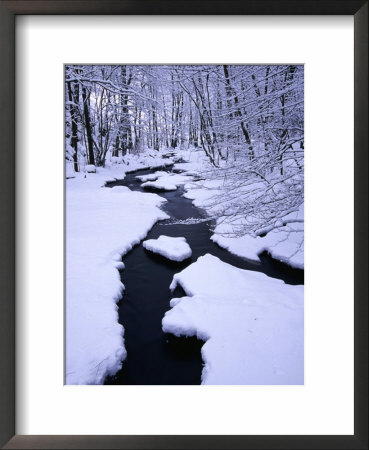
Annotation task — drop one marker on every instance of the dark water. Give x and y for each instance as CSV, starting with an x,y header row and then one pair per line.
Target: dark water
x,y
154,358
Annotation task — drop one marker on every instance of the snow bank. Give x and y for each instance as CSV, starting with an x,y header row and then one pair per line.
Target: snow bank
x,y
69,170
151,176
148,159
174,248
195,161
167,182
160,185
102,224
285,243
90,168
253,325
202,194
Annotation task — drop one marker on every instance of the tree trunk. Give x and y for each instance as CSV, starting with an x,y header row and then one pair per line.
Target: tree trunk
x,y
86,112
72,96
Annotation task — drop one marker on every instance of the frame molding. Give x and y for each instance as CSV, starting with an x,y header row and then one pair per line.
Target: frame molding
x,y
166,7
8,11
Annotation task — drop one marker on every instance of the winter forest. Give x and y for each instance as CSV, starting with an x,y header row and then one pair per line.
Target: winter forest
x,y
184,224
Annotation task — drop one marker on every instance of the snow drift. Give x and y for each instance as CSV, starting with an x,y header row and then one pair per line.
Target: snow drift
x,y
253,325
102,224
173,248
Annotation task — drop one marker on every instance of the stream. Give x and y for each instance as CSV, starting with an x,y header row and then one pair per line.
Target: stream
x,y
153,357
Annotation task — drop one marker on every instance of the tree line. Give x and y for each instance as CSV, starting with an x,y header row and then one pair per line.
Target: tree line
x,y
221,108
247,119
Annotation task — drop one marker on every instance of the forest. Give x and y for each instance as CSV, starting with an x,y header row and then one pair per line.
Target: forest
x,y
184,224
248,121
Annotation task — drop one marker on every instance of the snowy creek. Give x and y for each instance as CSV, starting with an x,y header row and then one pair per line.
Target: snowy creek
x,y
153,357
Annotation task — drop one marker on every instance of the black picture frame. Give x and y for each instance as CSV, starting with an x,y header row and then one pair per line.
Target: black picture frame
x,y
8,12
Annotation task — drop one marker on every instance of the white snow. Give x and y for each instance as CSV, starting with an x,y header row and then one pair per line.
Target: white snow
x,y
194,162
285,243
102,224
253,325
116,160
148,159
167,182
160,185
151,176
69,170
203,192
173,248
90,168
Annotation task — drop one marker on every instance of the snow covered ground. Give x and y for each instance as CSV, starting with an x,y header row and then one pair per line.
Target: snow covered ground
x,y
173,248
150,159
151,176
253,325
285,243
102,224
166,181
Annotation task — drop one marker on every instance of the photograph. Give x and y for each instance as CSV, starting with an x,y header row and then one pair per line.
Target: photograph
x,y
184,224
155,191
